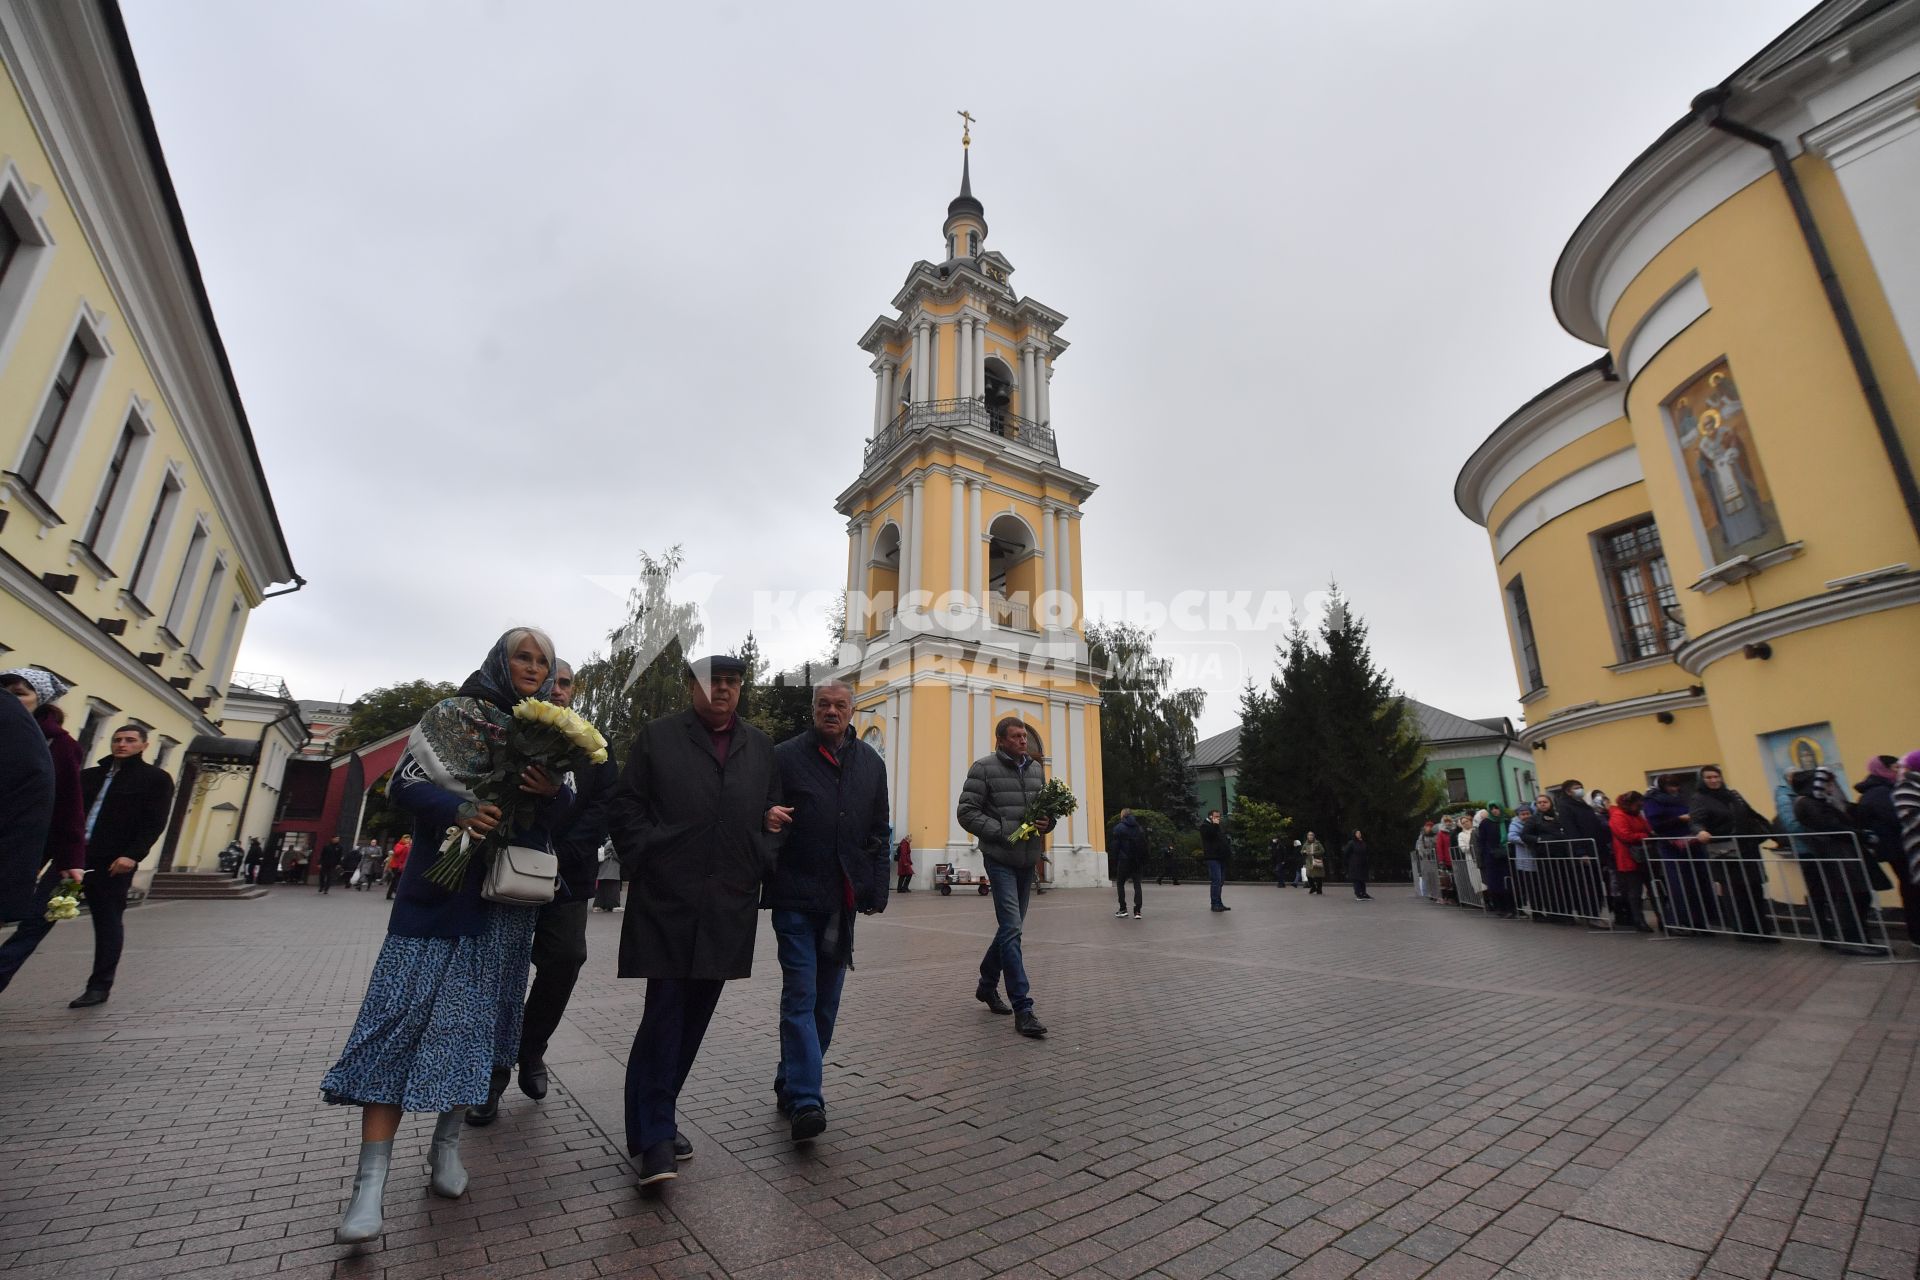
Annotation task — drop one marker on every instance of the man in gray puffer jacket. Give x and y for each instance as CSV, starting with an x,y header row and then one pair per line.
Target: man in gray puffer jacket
x,y
993,803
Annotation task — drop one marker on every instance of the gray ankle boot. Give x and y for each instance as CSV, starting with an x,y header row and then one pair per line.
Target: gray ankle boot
x,y
362,1219
443,1157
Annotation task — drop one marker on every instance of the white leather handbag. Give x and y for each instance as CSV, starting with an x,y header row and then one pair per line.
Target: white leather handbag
x,y
521,876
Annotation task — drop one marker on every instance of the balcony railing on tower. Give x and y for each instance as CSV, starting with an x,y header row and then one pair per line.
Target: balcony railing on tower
x,y
962,413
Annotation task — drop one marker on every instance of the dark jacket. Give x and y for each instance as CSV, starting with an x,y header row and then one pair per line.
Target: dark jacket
x,y
1578,821
1667,815
331,855
26,807
1215,846
67,834
1490,839
993,802
579,833
1726,814
1127,842
133,814
421,907
1875,815
838,841
1842,869
691,834
1906,806
1355,853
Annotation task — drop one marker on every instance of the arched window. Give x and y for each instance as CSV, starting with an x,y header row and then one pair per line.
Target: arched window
x,y
999,394
973,244
949,246
1013,573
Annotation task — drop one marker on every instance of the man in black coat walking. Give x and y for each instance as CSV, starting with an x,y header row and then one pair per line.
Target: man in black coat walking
x,y
1127,842
560,933
832,863
126,802
690,819
1216,848
330,863
1356,855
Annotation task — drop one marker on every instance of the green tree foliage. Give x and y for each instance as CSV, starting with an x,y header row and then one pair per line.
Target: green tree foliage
x,y
1330,742
642,676
781,705
1254,825
386,710
1147,729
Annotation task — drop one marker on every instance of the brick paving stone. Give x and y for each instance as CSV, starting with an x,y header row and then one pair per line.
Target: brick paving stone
x,y
1298,1089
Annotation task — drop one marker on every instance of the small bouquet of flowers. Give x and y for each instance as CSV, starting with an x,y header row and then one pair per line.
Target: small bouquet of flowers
x,y
65,902
1053,800
542,734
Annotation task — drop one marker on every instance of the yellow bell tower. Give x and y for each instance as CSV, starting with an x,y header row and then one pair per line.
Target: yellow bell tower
x,y
963,567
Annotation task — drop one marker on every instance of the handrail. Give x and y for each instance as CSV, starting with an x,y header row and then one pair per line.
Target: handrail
x,y
973,413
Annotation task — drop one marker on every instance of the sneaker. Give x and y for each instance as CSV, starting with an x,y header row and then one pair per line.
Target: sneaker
x,y
682,1147
992,1000
657,1164
1121,914
1027,1025
808,1123
1136,915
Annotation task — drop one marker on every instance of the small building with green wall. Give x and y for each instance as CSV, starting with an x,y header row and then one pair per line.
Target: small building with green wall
x,y
1478,760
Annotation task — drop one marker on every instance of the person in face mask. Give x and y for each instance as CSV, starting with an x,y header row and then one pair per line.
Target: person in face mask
x,y
1585,882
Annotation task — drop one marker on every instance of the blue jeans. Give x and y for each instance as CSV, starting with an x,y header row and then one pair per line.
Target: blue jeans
x,y
1011,888
809,1003
1216,877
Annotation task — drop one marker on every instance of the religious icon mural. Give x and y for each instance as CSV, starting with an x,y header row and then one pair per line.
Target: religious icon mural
x,y
1805,746
1722,468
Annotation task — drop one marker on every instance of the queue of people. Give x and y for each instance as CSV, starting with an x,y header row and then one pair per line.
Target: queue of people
x,y
1691,850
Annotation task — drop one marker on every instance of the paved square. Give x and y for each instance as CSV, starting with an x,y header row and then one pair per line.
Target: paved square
x,y
1307,1087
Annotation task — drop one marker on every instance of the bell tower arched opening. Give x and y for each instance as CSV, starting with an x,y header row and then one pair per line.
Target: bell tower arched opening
x,y
998,394
1013,573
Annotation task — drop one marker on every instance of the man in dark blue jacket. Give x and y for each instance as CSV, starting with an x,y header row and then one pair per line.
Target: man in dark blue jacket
x,y
832,863
560,936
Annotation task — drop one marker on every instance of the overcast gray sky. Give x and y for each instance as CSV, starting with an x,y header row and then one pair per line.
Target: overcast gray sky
x,y
513,291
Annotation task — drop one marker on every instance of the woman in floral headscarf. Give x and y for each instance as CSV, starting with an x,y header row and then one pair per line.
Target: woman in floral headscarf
x,y
440,1024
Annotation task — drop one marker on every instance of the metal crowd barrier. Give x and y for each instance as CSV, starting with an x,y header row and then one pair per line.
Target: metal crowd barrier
x,y
1566,883
1742,887
1468,886
1426,875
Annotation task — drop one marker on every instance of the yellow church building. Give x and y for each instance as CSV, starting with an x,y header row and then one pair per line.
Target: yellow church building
x,y
1708,540
137,530
963,567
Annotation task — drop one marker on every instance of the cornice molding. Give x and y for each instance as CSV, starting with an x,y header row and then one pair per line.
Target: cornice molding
x,y
1594,714
1480,483
1856,601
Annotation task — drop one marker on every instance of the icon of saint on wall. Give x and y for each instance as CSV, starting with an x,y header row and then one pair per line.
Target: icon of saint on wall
x,y
1722,468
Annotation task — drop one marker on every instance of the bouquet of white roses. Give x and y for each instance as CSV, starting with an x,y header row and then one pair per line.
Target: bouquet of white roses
x,y
1052,800
65,902
542,734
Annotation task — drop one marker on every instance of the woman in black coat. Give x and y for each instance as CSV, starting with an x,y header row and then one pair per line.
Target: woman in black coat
x,y
1836,875
1731,831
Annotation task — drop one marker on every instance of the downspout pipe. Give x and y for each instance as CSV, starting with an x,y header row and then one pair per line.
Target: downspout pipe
x,y
1711,107
1500,774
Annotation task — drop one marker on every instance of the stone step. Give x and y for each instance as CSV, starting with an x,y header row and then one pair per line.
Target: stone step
x,y
201,885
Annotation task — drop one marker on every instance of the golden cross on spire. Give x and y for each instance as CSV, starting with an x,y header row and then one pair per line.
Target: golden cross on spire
x,y
966,130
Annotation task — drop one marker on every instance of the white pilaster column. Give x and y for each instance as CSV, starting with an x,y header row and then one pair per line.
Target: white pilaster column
x,y
919,532
1045,378
887,393
903,780
1049,555
956,561
957,760
982,727
976,550
903,577
1027,391
1063,543
963,357
853,562
1079,824
880,414
979,358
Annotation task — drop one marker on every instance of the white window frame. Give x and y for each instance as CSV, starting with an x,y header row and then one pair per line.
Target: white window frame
x,y
89,329
140,587
99,712
139,420
222,673
23,205
199,538
196,648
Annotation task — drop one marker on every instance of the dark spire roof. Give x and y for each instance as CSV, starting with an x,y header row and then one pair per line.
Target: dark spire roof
x,y
964,202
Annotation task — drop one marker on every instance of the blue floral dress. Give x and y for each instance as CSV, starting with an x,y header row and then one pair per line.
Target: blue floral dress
x,y
443,1007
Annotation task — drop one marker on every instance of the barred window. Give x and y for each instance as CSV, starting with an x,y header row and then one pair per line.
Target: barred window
x,y
1646,609
1523,632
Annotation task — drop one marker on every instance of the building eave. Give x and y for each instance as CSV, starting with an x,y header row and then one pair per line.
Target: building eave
x,y
1568,393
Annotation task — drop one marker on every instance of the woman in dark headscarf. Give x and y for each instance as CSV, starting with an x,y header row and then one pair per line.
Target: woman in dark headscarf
x,y
1838,891
440,1025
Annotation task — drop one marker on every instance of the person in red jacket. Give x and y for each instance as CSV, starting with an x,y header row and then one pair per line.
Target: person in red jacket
x,y
1630,831
397,862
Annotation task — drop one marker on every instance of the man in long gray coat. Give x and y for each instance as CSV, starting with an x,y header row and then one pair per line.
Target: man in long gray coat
x,y
993,803
691,819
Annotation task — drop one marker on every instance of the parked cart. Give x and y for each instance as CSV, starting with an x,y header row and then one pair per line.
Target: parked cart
x,y
946,875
